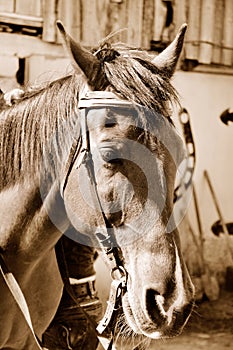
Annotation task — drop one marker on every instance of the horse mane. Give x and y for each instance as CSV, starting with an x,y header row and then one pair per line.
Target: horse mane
x,y
43,124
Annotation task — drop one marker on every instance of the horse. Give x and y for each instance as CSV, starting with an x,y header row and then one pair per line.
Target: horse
x,y
96,150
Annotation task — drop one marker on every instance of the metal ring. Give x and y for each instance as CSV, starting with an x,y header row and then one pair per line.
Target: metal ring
x,y
119,273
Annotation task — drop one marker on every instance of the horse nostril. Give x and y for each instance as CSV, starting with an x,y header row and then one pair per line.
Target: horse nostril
x,y
154,306
158,306
186,312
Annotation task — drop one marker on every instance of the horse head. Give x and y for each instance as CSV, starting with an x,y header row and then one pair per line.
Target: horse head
x,y
127,136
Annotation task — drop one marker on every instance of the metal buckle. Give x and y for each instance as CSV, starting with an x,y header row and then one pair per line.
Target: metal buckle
x,y
119,273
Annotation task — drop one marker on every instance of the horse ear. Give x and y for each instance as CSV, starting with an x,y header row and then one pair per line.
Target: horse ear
x,y
84,59
167,59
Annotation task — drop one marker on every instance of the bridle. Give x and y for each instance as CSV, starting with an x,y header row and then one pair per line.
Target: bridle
x,y
105,240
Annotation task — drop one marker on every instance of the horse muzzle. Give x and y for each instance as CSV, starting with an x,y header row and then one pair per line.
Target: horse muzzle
x,y
156,321
161,306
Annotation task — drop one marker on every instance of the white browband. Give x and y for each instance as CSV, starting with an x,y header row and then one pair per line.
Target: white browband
x,y
101,98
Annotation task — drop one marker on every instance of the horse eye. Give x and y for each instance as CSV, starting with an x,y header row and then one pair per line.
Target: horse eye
x,y
110,122
110,155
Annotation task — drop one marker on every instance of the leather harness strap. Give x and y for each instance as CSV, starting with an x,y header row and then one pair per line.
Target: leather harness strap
x,y
18,296
105,240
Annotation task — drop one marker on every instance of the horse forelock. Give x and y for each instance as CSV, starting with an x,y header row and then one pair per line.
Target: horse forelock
x,y
132,74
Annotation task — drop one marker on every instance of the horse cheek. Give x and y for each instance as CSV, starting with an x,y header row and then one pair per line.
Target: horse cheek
x,y
79,207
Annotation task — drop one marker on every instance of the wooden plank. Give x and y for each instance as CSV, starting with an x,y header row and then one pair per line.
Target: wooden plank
x,y
212,69
22,20
69,14
147,25
134,23
102,17
94,19
88,25
207,31
9,65
32,7
8,84
24,45
117,20
218,31
193,32
6,5
227,52
159,19
46,68
50,17
180,14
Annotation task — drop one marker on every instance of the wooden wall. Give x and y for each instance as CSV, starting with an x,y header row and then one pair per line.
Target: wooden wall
x,y
210,24
31,7
91,20
210,35
209,38
22,13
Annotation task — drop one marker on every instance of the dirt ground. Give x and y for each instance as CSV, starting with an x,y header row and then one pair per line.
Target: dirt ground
x,y
209,328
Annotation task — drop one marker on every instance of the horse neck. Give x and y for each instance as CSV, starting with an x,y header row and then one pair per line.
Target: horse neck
x,y
30,225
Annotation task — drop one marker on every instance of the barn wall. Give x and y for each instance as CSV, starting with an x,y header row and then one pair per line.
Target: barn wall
x,y
206,96
209,39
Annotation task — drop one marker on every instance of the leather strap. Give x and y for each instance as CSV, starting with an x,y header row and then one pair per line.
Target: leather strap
x,y
18,296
